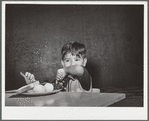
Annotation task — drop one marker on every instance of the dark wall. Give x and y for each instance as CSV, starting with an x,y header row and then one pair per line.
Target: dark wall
x,y
113,36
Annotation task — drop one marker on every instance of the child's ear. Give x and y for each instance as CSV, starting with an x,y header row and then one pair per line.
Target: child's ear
x,y
62,63
84,62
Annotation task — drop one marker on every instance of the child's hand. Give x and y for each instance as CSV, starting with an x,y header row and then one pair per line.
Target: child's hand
x,y
60,74
30,78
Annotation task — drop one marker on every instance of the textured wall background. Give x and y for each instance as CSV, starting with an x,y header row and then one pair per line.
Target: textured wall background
x,y
113,36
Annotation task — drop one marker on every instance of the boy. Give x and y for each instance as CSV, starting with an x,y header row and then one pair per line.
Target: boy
x,y
73,61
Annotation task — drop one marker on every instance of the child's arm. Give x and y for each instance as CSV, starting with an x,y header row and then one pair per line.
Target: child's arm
x,y
79,72
74,70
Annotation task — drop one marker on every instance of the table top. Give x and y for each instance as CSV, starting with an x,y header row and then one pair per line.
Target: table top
x,y
80,99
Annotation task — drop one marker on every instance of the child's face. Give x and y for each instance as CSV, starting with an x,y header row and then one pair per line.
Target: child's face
x,y
70,60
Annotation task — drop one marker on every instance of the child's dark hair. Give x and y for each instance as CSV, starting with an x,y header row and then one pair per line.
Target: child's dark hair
x,y
74,48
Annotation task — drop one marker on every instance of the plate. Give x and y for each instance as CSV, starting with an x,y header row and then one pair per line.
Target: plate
x,y
40,94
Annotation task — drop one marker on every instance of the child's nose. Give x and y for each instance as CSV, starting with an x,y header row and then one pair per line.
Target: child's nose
x,y
73,63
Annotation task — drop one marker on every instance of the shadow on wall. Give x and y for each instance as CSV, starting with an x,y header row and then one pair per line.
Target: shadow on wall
x,y
93,69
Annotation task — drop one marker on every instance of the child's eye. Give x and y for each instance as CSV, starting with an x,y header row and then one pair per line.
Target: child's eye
x,y
77,59
66,60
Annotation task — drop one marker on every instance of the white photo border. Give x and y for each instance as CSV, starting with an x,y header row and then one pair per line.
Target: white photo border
x,y
77,113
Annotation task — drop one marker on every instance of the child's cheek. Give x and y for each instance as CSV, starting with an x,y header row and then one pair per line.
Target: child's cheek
x,y
66,64
79,63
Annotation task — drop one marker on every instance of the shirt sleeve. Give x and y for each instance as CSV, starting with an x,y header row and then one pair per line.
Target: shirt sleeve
x,y
85,80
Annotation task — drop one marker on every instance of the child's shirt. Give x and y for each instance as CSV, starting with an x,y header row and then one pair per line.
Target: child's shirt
x,y
80,84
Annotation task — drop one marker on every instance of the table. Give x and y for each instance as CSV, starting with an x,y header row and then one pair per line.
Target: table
x,y
64,99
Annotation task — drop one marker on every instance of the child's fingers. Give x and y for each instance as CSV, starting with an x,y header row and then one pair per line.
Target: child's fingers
x,y
59,77
61,71
28,75
32,77
29,78
33,80
58,74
